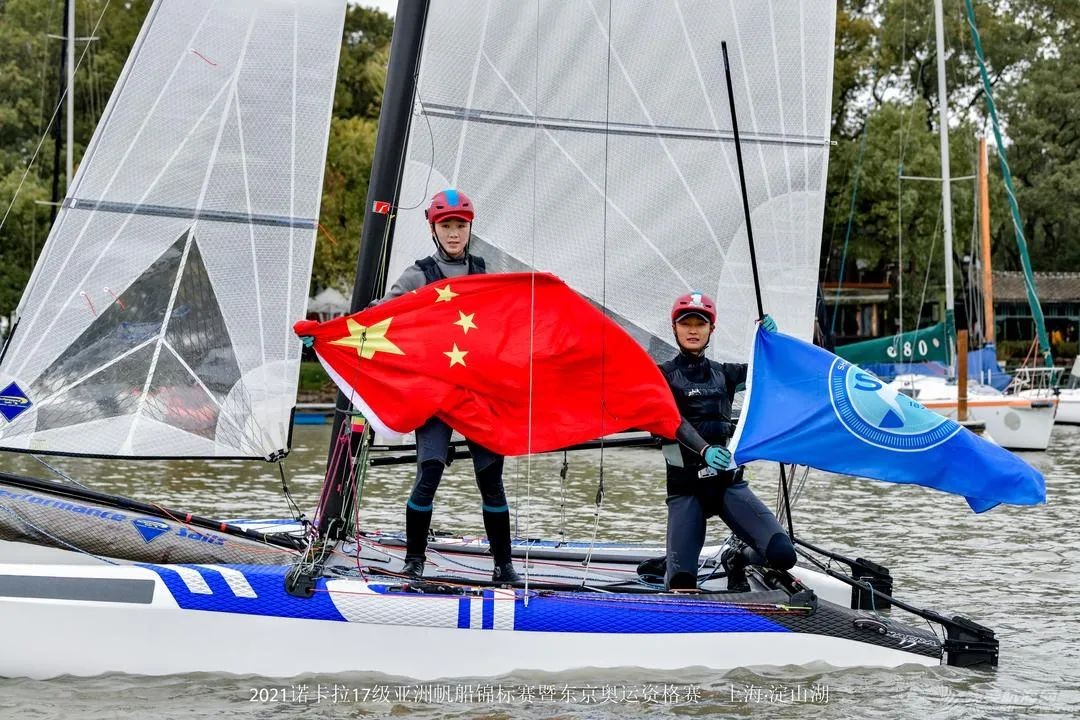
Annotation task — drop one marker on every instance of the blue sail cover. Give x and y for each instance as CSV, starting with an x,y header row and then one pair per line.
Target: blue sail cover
x,y
805,405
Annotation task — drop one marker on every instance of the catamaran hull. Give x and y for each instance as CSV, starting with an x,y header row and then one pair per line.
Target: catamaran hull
x,y
155,620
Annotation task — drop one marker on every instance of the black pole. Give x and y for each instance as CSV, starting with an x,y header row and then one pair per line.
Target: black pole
x,y
60,87
742,181
383,189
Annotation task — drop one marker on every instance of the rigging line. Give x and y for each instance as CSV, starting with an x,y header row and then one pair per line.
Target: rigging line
x,y
60,542
603,290
59,473
431,155
532,295
906,117
288,337
850,224
52,119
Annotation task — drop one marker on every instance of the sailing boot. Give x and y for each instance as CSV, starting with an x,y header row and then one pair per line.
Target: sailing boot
x,y
734,562
414,568
497,525
417,525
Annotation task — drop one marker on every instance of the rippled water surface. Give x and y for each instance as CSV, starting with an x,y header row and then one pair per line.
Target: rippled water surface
x,y
1013,569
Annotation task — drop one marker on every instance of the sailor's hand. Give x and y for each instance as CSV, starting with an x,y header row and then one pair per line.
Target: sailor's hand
x,y
308,340
717,457
768,324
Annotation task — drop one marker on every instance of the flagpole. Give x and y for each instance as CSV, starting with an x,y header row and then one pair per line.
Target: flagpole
x,y
379,215
742,180
753,254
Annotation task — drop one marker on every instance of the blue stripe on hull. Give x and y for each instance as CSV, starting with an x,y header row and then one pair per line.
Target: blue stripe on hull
x,y
563,612
627,615
463,613
268,582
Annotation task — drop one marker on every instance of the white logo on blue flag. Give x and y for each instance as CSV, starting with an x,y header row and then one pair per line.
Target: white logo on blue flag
x,y
875,412
806,406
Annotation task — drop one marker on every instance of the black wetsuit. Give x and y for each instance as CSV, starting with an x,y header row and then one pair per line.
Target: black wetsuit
x,y
703,390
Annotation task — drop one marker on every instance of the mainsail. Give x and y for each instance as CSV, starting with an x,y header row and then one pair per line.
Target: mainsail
x,y
157,322
596,141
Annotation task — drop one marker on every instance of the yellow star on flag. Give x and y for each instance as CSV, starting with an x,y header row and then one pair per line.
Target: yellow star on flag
x,y
368,340
466,322
457,357
445,294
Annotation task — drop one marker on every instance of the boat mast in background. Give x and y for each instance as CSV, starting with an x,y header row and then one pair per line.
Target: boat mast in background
x,y
946,189
984,234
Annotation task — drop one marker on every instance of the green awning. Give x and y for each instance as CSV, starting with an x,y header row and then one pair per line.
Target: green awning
x,y
915,346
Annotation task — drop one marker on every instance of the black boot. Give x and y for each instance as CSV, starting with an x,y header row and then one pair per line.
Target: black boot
x,y
414,568
505,573
734,562
417,526
497,525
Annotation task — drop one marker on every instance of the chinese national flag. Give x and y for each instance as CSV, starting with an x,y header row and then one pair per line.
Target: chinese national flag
x,y
517,362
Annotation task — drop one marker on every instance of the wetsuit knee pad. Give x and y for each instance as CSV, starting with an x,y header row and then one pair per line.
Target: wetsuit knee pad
x,y
780,553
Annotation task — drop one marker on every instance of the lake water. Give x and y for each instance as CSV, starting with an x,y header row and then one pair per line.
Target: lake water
x,y
1012,569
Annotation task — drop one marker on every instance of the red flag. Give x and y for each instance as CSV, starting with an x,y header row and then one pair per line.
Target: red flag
x,y
517,362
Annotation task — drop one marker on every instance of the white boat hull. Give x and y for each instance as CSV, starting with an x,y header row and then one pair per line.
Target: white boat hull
x,y
148,627
1015,422
1068,400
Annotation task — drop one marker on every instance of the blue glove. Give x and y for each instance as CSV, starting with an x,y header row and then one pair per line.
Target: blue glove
x,y
768,324
308,340
717,457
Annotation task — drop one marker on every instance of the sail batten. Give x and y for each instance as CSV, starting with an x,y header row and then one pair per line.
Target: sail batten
x,y
157,322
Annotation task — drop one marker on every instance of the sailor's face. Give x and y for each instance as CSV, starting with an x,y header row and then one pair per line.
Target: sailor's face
x,y
692,333
453,236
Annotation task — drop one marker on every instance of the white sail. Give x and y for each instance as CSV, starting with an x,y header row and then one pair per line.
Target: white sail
x,y
595,139
157,322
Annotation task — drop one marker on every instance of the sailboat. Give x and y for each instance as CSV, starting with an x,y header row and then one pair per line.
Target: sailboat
x,y
195,209
1013,421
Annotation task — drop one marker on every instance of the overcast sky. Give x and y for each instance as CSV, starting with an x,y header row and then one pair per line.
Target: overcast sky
x,y
387,6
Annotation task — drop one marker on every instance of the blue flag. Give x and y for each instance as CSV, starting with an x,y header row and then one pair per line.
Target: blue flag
x,y
807,406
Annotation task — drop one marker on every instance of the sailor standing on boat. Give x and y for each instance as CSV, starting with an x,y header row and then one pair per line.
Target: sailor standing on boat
x,y
700,481
450,216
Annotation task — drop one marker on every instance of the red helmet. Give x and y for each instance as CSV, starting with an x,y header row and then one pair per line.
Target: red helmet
x,y
449,203
694,303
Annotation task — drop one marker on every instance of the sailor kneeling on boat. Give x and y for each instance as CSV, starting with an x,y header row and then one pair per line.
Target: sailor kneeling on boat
x,y
700,480
450,217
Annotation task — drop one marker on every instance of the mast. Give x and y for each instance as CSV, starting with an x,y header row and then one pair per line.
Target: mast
x,y
57,137
379,215
70,43
946,181
984,233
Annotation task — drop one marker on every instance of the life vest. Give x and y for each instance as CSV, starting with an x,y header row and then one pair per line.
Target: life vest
x,y
432,272
703,402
